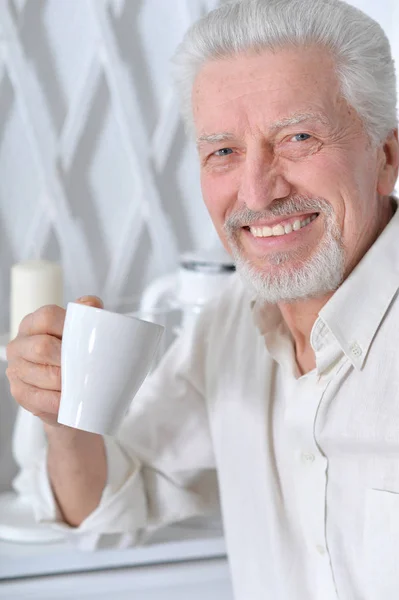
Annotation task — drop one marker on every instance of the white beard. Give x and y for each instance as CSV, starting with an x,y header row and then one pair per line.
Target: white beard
x,y
321,273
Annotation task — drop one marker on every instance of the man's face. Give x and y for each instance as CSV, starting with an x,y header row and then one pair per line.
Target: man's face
x,y
287,171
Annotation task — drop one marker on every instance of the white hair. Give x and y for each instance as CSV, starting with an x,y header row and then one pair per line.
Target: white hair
x,y
361,49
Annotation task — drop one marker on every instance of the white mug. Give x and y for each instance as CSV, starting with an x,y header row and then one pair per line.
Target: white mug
x,y
105,358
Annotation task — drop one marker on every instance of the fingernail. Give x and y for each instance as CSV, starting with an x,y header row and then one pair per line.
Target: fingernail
x,y
85,299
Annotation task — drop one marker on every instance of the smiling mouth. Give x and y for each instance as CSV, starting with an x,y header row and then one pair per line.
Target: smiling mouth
x,y
283,228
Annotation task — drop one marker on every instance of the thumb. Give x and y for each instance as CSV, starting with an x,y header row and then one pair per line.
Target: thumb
x,y
94,301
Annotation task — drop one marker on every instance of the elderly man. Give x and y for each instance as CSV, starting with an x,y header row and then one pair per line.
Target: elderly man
x,y
283,405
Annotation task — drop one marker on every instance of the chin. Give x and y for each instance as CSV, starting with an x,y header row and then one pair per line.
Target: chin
x,y
287,279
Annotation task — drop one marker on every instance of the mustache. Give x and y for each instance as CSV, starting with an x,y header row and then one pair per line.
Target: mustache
x,y
286,207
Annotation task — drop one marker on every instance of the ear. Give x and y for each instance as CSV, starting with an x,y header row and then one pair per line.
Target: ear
x,y
389,165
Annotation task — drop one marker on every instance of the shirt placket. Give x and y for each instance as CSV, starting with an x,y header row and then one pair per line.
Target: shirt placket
x,y
310,475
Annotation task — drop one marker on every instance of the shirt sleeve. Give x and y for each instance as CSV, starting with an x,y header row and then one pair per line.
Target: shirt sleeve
x,y
161,466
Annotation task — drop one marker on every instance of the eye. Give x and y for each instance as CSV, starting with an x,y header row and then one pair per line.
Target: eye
x,y
301,137
223,152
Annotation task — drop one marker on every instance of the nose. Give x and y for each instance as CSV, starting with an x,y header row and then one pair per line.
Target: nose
x,y
262,180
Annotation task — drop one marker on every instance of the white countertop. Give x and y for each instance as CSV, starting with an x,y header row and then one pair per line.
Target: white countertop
x,y
192,540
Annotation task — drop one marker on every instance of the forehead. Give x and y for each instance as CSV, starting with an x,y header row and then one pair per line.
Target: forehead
x,y
265,87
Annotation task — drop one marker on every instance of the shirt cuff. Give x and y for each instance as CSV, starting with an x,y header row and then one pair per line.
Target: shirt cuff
x,y
118,518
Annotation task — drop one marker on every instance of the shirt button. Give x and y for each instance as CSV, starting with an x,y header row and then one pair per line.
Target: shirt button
x,y
356,350
307,458
320,549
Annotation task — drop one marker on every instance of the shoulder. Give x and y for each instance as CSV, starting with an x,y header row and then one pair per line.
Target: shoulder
x,y
230,312
234,298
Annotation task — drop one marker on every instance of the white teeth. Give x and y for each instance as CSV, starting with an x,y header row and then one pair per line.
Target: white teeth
x,y
278,230
296,225
288,228
267,231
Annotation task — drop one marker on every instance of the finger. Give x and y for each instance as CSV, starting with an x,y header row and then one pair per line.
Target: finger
x,y
50,319
46,377
94,301
41,403
47,319
39,349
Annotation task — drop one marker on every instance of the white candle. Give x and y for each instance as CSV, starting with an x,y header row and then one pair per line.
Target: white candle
x,y
34,283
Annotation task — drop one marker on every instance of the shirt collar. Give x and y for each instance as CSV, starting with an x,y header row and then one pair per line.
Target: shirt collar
x,y
355,311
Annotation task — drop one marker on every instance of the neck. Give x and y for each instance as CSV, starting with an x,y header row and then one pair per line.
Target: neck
x,y
300,317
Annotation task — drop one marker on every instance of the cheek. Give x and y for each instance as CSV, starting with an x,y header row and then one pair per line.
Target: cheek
x,y
321,175
348,183
328,177
346,172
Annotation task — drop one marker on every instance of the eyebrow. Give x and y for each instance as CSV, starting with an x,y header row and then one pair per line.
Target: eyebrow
x,y
295,119
298,118
215,138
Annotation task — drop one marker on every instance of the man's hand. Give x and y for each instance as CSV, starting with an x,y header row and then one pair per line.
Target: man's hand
x,y
34,361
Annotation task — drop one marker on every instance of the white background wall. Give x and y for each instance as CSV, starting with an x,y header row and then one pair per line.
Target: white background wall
x,y
95,169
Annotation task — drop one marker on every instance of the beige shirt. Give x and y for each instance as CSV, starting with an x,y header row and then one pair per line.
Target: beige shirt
x,y
307,467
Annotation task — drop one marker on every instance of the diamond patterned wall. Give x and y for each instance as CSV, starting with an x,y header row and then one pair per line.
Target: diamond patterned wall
x,y
95,169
